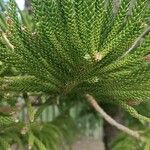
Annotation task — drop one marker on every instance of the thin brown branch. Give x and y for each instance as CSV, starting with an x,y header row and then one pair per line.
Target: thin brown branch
x,y
7,41
137,41
111,121
7,110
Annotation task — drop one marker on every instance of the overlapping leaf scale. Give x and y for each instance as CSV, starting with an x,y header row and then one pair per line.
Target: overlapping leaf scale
x,y
127,88
79,49
89,15
26,84
134,113
32,44
121,97
118,21
139,71
18,62
134,58
80,11
65,31
46,30
23,45
10,58
45,48
59,27
116,47
108,22
99,14
126,82
38,44
123,42
51,61
66,62
53,65
114,84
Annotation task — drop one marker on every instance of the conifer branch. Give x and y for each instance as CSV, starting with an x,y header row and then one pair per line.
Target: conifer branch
x,y
111,121
7,41
137,41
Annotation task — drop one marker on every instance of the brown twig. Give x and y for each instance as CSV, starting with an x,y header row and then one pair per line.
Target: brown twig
x,y
110,120
137,41
7,41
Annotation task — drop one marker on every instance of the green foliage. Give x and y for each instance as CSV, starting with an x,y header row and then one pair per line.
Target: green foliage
x,y
50,54
38,136
124,142
74,47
